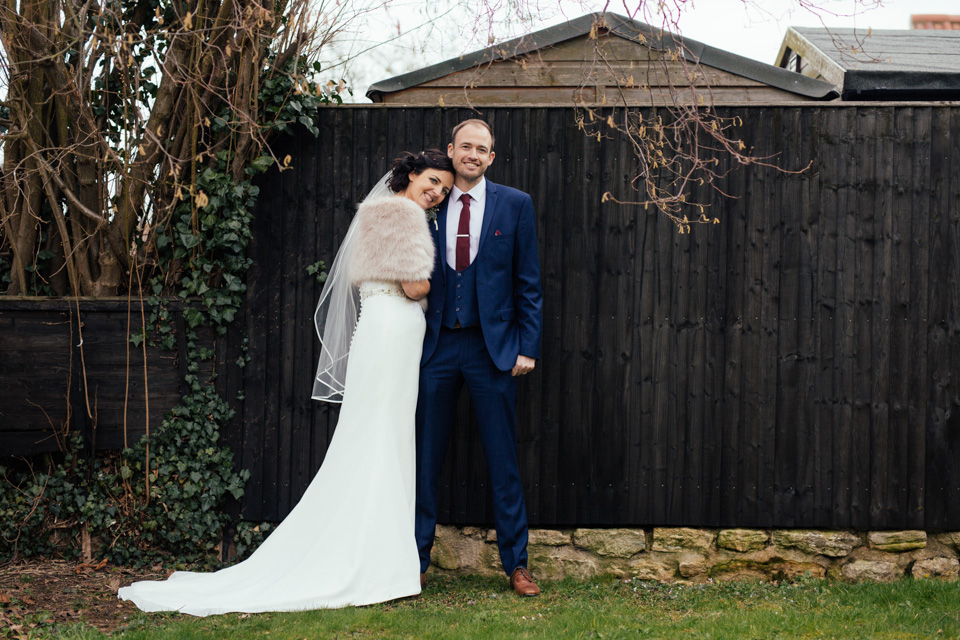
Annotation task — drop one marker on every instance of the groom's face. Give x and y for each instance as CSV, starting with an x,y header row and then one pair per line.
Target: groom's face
x,y
471,152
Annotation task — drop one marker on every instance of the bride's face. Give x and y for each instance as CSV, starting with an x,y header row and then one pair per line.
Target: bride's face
x,y
429,188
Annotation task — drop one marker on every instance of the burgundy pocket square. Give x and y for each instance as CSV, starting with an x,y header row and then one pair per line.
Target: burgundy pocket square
x,y
497,232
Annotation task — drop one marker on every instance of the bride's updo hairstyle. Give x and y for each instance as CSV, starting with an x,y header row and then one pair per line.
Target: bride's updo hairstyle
x,y
416,163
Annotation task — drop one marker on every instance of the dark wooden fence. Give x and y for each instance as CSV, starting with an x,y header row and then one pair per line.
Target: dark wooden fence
x,y
67,366
797,365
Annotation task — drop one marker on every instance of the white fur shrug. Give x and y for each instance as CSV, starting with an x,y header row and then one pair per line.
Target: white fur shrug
x,y
392,243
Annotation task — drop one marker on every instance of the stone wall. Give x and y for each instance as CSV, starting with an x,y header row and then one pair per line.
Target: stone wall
x,y
698,555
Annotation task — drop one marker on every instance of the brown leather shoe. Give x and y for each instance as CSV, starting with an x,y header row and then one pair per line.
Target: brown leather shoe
x,y
423,581
522,583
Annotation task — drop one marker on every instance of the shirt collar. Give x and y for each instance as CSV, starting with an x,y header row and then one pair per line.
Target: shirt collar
x,y
478,192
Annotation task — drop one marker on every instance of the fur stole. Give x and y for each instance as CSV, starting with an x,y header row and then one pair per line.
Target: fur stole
x,y
392,243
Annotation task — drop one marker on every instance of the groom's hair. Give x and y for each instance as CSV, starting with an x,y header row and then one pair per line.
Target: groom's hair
x,y
476,121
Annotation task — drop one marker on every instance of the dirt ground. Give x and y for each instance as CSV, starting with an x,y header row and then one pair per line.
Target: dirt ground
x,y
40,594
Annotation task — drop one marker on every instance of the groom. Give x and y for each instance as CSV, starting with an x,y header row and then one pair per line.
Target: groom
x,y
483,329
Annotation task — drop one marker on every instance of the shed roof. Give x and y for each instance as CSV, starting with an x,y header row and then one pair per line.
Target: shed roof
x,y
628,29
881,64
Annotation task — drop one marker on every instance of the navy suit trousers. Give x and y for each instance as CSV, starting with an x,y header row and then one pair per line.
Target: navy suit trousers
x,y
462,357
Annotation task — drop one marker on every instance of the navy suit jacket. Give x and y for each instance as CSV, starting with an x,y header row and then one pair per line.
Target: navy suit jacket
x,y
509,294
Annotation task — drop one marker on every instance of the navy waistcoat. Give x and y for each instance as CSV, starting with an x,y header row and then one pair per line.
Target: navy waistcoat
x,y
461,303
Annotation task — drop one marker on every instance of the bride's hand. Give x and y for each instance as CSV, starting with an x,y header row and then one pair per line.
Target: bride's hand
x,y
416,290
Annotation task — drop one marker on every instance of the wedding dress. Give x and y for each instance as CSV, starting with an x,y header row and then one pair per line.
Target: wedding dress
x,y
350,539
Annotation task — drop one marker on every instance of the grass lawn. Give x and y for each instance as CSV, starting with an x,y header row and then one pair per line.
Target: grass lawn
x,y
473,607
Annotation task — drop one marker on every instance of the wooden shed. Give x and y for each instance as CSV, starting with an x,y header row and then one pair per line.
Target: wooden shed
x,y
878,64
600,59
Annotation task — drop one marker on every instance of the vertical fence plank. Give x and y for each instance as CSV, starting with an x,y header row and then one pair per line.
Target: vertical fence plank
x,y
734,220
882,146
828,299
663,352
575,315
857,272
942,420
551,231
769,325
901,351
789,419
913,440
754,357
809,220
859,268
300,318
678,381
643,491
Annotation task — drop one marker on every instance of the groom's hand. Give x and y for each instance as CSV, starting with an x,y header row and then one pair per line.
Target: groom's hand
x,y
525,365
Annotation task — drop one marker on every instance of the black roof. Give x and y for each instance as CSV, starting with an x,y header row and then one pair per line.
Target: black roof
x,y
628,29
887,64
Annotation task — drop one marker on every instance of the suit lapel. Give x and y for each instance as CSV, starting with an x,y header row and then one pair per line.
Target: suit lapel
x,y
489,211
441,236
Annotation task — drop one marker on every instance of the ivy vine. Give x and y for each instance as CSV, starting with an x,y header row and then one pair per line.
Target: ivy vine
x,y
161,500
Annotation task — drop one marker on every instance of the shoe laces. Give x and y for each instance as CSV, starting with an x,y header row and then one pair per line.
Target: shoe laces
x,y
522,573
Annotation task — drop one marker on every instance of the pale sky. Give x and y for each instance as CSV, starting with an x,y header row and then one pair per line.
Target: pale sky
x,y
758,33
419,33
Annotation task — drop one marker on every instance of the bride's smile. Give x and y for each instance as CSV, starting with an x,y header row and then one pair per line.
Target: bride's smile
x,y
428,188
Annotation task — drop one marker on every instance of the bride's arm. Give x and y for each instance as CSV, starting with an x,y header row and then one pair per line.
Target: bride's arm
x,y
416,290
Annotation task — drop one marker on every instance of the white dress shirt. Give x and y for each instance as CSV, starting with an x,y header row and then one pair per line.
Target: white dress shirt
x,y
478,201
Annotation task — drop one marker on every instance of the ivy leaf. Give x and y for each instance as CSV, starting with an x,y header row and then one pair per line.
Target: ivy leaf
x,y
188,240
262,163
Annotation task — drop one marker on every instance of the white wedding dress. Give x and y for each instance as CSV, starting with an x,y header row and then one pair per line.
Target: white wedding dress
x,y
350,540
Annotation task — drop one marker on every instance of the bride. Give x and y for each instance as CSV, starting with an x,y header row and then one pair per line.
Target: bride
x,y
350,539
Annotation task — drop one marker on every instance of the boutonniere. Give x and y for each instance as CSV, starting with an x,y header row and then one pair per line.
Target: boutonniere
x,y
497,232
432,216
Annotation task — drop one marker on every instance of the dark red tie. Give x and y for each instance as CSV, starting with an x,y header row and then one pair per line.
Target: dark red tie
x,y
463,234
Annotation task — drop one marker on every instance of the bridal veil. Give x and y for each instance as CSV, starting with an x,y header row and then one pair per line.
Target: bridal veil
x,y
337,312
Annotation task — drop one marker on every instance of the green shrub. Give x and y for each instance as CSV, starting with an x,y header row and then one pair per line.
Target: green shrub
x,y
160,501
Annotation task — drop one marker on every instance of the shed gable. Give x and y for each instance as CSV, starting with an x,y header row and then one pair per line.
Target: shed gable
x,y
608,69
599,59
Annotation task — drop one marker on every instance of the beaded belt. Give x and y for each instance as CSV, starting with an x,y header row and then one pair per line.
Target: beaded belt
x,y
374,288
